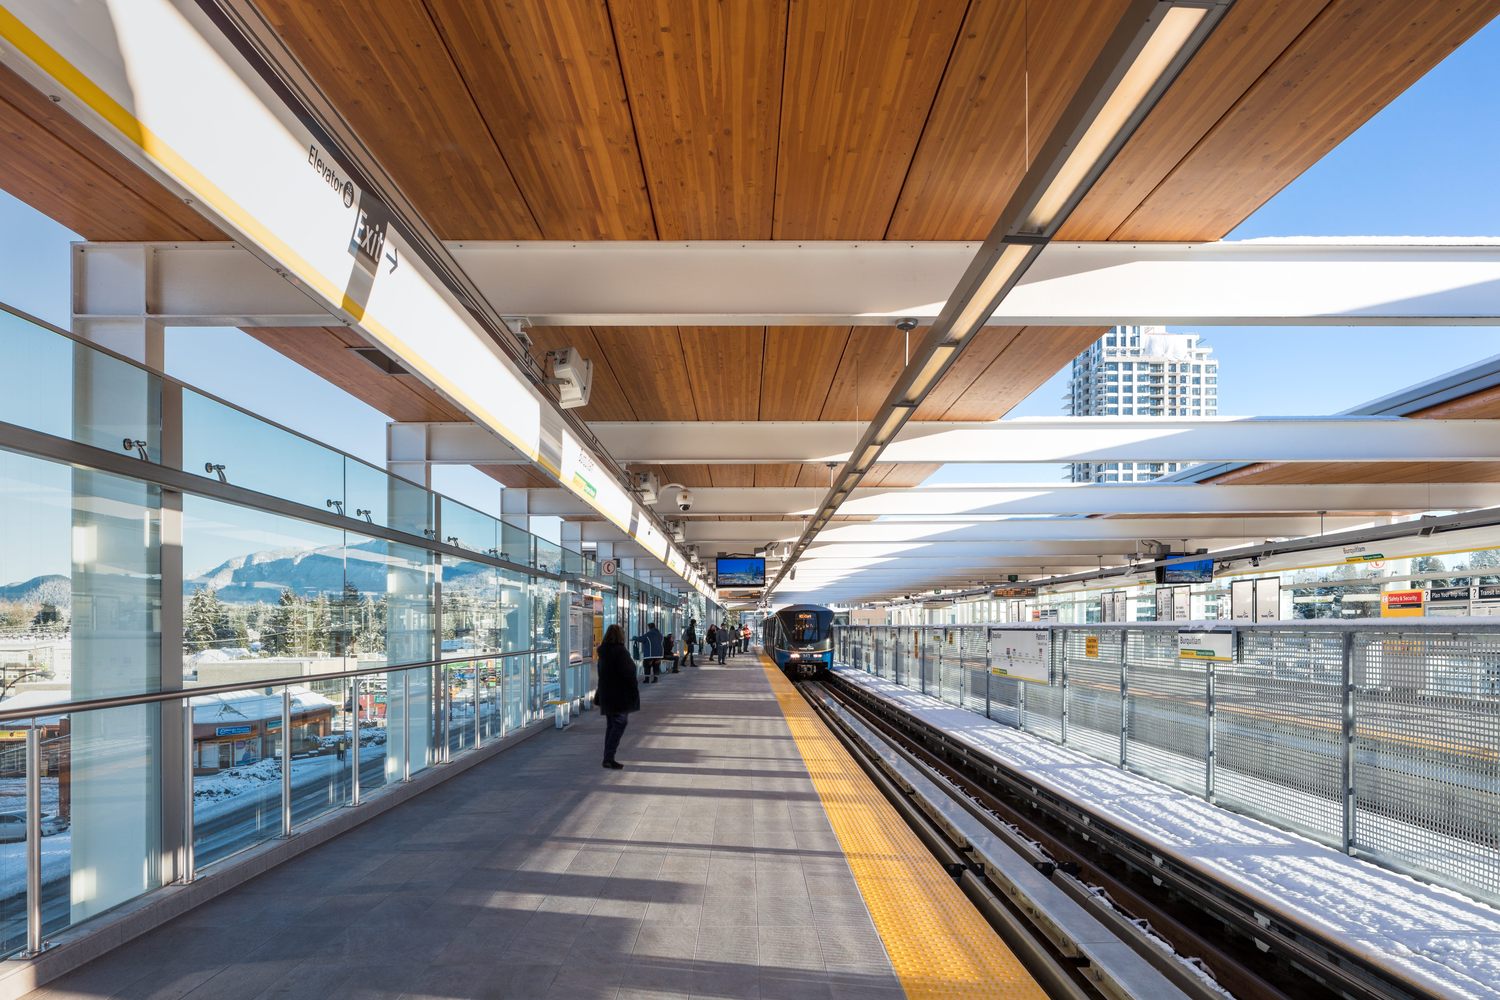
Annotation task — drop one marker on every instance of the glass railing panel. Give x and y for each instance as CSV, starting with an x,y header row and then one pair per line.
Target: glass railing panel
x,y
463,705
68,389
257,455
515,545
547,614
373,496
488,695
549,679
13,812
515,611
101,805
472,601
236,772
322,772
467,528
370,713
515,673
39,377
548,556
409,723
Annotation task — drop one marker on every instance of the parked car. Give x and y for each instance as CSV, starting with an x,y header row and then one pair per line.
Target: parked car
x,y
13,826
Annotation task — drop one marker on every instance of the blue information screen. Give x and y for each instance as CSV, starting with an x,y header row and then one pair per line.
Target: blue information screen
x,y
740,572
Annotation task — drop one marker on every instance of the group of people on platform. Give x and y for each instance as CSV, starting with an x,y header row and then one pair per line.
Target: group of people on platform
x,y
619,694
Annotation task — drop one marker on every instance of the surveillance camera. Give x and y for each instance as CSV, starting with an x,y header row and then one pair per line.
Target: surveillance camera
x,y
685,501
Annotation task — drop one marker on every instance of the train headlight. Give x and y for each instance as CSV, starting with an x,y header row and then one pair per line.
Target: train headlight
x,y
794,656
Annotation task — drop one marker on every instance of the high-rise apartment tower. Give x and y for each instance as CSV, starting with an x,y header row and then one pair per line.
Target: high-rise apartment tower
x,y
1141,371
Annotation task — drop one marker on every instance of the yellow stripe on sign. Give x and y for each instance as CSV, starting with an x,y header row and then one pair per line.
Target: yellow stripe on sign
x,y
939,945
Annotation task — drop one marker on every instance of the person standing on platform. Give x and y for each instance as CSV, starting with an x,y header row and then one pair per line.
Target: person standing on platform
x,y
745,638
617,695
669,650
723,646
650,641
690,643
712,638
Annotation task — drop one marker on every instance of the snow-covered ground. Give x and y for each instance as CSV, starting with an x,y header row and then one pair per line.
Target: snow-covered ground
x,y
1440,939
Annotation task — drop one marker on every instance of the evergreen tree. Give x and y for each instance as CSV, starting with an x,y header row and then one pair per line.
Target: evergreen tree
x,y
369,629
206,623
1428,564
280,626
1485,559
320,626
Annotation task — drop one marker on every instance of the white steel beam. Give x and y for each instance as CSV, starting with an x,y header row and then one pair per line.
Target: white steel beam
x,y
731,534
1061,439
449,443
810,283
1049,499
1260,283
186,284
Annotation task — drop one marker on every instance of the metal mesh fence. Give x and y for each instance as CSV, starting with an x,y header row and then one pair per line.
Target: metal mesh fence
x,y
1278,730
1091,663
1166,723
1426,754
974,653
1408,720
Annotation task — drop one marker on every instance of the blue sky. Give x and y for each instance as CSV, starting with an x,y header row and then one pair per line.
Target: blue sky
x,y
1428,165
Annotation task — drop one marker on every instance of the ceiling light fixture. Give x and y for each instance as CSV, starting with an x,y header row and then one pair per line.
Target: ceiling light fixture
x,y
1152,42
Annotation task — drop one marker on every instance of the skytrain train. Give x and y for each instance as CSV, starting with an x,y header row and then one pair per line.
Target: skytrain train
x,y
799,638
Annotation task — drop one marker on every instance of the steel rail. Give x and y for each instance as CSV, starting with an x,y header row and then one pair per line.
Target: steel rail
x,y
1301,945
1051,970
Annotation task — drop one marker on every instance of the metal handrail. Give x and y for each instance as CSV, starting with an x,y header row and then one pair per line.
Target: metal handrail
x,y
178,694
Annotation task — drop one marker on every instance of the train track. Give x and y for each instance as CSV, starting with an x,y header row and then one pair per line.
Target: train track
x,y
1204,940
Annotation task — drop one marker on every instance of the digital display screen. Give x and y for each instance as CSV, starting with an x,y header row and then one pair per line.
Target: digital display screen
x,y
1192,570
740,572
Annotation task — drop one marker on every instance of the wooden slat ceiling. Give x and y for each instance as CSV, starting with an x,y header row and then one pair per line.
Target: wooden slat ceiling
x,y
783,119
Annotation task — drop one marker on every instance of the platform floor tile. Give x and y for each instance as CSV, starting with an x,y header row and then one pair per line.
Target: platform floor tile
x,y
707,868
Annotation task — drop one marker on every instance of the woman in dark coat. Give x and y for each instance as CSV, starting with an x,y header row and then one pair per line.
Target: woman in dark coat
x,y
617,695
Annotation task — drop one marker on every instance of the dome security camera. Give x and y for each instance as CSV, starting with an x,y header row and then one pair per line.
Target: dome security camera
x,y
685,501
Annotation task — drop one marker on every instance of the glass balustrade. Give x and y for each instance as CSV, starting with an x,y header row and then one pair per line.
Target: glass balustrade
x,y
283,698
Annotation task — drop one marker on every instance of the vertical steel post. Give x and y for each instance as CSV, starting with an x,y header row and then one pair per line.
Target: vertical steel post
x,y
33,839
286,761
445,708
1021,704
1063,672
1347,764
355,683
1211,721
189,864
405,725
1124,698
474,703
987,675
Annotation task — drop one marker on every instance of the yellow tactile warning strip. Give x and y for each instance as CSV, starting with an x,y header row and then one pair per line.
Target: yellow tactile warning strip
x,y
939,945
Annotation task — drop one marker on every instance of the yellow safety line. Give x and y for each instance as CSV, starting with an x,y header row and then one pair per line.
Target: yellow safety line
x,y
939,945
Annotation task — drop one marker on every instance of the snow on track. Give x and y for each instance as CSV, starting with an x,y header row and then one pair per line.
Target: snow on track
x,y
1436,938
